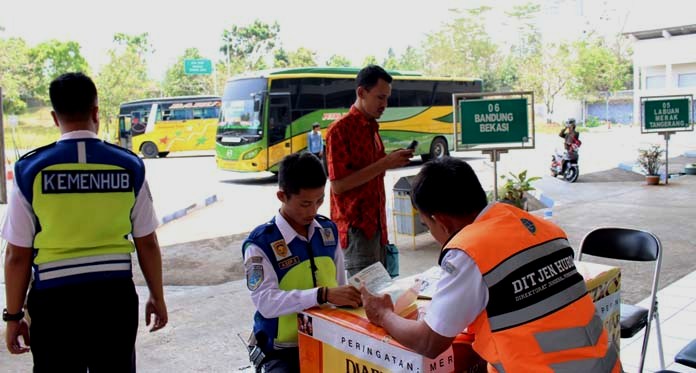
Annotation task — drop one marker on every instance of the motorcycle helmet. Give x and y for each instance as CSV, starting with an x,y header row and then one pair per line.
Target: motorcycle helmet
x,y
570,122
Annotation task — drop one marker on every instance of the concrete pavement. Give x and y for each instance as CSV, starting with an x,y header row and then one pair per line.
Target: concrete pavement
x,y
204,320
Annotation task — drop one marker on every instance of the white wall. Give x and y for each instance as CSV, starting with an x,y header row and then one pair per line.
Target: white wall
x,y
666,57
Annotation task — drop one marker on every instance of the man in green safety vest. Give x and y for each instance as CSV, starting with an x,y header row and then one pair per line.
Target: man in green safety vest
x,y
74,207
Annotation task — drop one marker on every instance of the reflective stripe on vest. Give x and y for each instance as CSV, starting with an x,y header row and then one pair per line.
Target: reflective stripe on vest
x,y
566,339
77,266
513,263
599,365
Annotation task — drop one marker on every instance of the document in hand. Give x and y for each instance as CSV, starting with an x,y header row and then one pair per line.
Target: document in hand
x,y
428,280
377,281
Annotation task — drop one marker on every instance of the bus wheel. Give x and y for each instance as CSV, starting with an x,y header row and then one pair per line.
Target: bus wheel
x,y
149,150
163,154
438,149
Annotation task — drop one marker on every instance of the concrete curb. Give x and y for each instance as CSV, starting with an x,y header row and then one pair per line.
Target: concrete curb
x,y
188,209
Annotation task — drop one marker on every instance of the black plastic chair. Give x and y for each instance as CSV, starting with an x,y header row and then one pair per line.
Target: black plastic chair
x,y
632,245
687,356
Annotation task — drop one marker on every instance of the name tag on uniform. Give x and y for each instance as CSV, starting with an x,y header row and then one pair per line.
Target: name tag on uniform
x,y
87,181
327,236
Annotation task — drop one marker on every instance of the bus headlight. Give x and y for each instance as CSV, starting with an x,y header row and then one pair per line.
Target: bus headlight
x,y
251,154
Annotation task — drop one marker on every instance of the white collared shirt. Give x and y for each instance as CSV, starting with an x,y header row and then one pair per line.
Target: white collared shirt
x,y
19,226
461,294
268,298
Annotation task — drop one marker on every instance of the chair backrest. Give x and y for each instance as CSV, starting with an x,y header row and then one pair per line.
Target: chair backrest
x,y
622,244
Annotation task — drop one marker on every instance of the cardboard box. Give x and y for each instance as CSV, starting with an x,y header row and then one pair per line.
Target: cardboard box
x,y
343,340
604,286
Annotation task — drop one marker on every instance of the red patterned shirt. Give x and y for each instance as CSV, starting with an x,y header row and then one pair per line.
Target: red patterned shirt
x,y
353,143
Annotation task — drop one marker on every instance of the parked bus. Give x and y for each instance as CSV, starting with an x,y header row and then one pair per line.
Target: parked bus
x,y
267,115
155,127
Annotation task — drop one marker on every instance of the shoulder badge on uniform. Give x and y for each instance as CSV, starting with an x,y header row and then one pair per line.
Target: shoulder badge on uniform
x,y
254,276
280,249
449,267
35,151
529,225
327,236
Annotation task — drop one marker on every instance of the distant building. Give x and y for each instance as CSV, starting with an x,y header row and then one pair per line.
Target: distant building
x,y
664,63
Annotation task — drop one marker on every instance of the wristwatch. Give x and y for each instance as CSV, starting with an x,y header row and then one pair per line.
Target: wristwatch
x,y
12,316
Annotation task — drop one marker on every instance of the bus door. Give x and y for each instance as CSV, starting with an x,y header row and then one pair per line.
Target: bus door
x,y
279,128
124,132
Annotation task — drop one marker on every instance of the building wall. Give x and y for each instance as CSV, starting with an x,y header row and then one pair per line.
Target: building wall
x,y
615,112
658,65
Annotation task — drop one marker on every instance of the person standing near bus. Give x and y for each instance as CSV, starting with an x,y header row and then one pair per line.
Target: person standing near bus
x,y
74,204
315,144
357,163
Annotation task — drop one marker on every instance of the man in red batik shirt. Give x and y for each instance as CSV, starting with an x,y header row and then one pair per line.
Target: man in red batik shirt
x,y
357,163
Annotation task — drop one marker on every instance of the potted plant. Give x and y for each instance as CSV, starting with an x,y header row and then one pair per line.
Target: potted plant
x,y
513,191
650,160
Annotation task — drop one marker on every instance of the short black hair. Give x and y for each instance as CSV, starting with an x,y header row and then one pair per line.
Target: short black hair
x,y
370,75
315,125
300,171
73,96
450,186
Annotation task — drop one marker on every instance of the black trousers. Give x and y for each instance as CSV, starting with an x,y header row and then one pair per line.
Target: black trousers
x,y
83,327
286,360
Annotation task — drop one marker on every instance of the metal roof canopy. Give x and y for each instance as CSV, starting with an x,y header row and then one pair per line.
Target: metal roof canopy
x,y
663,32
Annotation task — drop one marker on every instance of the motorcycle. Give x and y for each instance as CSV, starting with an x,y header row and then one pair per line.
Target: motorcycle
x,y
565,165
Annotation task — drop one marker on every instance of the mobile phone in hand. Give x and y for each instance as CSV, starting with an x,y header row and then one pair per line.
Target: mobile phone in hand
x,y
412,145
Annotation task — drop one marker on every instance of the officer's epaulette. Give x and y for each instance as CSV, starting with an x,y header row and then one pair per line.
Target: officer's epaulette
x,y
36,151
322,218
120,147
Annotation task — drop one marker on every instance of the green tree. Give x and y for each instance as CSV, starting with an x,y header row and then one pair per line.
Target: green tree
x,y
391,62
124,77
522,19
53,58
16,78
547,75
177,83
369,60
338,61
596,68
245,47
302,57
411,59
461,47
280,58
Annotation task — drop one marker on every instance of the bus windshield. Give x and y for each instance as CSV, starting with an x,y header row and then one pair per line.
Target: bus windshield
x,y
241,107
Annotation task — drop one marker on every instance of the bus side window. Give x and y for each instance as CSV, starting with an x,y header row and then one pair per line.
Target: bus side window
x,y
340,93
311,94
415,93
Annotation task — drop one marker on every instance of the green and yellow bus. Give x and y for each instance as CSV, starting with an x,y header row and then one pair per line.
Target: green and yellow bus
x,y
267,115
155,127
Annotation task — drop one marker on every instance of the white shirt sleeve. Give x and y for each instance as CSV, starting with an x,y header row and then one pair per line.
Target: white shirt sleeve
x,y
269,300
341,278
19,226
460,297
143,215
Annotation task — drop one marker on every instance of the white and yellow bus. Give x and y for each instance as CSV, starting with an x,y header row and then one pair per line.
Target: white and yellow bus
x,y
266,115
155,127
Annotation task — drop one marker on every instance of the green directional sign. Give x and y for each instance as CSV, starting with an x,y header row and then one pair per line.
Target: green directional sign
x,y
666,114
494,121
200,66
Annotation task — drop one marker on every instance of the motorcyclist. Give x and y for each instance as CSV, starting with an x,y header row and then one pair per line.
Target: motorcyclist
x,y
572,139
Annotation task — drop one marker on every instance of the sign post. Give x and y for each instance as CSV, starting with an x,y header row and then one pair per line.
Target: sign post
x,y
198,66
667,115
494,125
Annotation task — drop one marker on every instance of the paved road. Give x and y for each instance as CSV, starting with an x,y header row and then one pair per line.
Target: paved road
x,y
249,198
